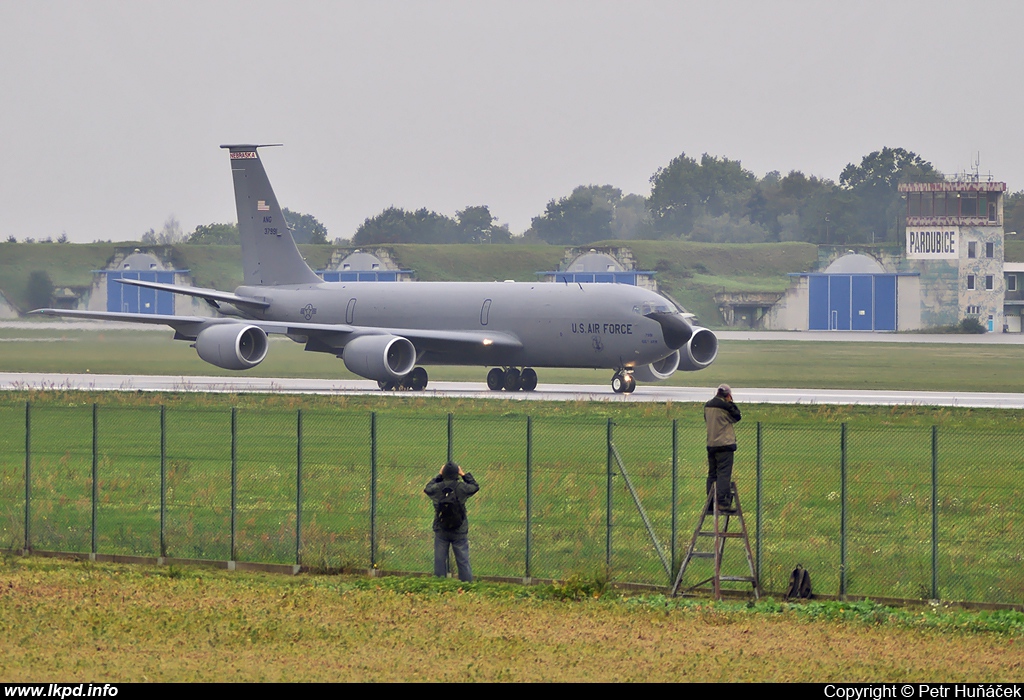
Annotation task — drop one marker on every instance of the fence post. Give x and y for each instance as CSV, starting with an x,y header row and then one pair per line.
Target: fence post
x,y
449,438
234,476
529,495
373,490
95,470
298,488
842,512
935,512
675,497
608,502
757,507
163,480
28,475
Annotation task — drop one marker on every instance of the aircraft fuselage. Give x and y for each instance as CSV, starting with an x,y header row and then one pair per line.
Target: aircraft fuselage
x,y
593,325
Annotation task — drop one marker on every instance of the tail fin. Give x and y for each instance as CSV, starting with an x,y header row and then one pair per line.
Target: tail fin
x,y
269,254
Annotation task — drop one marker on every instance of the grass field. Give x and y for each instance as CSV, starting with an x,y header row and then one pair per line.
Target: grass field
x,y
797,364
888,493
81,622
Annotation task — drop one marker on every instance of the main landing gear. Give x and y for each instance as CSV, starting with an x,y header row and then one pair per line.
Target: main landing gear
x,y
512,379
414,381
623,382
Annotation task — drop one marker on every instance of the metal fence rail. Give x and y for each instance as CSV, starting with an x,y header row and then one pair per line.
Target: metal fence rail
x,y
901,512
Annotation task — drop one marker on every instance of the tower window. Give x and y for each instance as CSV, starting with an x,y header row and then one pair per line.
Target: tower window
x,y
970,281
990,250
972,249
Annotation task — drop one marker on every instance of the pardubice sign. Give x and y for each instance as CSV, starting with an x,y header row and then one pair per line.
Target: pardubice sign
x,y
933,242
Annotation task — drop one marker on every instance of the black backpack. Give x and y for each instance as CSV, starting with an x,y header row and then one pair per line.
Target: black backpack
x,y
799,584
450,513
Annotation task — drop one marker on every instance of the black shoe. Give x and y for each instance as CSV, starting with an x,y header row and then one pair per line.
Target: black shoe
x,y
726,510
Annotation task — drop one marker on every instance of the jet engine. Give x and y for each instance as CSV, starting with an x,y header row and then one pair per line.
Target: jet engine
x,y
699,352
232,345
380,357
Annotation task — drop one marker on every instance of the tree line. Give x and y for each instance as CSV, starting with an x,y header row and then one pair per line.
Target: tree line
x,y
710,199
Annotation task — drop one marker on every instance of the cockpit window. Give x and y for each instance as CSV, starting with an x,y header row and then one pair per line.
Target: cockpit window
x,y
650,307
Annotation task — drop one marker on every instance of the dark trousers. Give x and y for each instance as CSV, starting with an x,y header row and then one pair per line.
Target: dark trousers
x,y
459,545
720,474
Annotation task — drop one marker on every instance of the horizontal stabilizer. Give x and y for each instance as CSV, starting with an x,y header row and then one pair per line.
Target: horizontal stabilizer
x,y
202,293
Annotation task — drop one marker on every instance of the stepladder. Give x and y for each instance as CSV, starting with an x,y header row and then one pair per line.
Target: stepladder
x,y
717,533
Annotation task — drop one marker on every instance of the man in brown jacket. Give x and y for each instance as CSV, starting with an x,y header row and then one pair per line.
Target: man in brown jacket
x,y
720,414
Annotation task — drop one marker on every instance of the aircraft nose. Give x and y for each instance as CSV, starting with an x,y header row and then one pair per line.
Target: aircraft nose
x,y
674,327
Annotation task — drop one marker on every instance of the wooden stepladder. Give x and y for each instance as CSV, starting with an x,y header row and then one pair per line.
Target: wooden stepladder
x,y
719,533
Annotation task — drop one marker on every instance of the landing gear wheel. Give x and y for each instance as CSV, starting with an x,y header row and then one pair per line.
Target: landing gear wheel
x,y
528,379
630,384
496,379
512,379
389,385
618,383
417,379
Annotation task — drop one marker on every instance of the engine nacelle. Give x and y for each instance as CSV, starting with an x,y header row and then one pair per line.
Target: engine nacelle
x,y
658,371
379,357
232,345
700,351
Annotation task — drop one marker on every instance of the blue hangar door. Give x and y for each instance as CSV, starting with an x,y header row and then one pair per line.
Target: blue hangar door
x,y
852,302
139,300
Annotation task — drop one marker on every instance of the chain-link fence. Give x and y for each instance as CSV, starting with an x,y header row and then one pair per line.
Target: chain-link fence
x,y
901,512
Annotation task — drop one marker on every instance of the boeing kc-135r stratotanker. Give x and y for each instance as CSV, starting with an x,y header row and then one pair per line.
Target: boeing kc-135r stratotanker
x,y
387,331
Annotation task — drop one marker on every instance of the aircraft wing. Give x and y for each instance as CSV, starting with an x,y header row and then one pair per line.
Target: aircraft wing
x,y
323,336
185,327
210,295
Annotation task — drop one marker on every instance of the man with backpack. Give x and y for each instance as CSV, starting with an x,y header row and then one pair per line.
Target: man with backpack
x,y
451,526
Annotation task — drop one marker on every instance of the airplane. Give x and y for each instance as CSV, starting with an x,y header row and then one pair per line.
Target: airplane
x,y
388,331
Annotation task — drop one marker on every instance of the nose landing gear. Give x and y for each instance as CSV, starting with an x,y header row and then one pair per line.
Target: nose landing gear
x,y
623,382
512,379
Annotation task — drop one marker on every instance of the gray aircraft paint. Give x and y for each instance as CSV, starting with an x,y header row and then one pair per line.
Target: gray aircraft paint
x,y
510,324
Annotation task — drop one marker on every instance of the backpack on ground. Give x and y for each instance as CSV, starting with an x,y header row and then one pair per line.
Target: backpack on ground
x,y
450,513
799,584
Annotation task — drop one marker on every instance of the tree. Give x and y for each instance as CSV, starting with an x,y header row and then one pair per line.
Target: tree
x,y
395,225
170,234
685,190
38,290
476,225
1013,213
631,218
215,234
582,217
874,185
305,228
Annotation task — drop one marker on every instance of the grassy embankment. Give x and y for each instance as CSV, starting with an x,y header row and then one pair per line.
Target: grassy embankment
x,y
692,272
79,622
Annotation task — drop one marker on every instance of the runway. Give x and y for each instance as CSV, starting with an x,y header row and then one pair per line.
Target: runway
x,y
650,393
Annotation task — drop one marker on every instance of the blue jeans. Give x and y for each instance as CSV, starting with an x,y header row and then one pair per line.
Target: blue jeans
x,y
459,545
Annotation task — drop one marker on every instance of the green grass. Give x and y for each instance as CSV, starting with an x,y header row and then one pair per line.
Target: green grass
x,y
888,488
796,364
102,623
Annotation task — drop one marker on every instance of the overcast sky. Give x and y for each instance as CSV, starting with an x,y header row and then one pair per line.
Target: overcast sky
x,y
113,111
